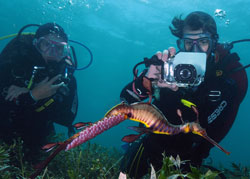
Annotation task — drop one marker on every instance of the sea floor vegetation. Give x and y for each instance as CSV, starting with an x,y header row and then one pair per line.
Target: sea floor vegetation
x,y
93,161
84,162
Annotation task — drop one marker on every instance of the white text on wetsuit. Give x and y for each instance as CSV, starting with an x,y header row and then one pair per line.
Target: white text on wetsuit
x,y
217,112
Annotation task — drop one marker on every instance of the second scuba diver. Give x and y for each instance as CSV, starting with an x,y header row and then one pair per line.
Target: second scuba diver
x,y
37,87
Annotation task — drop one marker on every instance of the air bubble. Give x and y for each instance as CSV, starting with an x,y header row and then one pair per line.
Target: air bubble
x,y
227,22
70,2
220,13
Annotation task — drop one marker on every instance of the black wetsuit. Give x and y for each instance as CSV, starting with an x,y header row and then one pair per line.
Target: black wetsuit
x,y
217,99
24,117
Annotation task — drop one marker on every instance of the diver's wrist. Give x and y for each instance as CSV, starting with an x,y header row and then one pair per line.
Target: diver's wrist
x,y
34,98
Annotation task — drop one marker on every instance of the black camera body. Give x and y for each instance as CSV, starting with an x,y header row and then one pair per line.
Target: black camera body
x,y
186,69
52,69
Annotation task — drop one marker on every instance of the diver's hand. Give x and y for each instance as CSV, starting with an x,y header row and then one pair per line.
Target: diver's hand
x,y
154,71
14,91
46,88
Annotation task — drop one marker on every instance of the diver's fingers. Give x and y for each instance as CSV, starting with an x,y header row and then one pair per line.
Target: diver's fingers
x,y
52,80
11,92
15,92
55,87
172,51
165,55
9,95
13,97
159,55
12,88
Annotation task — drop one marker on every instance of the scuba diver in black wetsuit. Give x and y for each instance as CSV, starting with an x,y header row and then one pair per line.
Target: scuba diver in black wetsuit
x,y
217,97
37,87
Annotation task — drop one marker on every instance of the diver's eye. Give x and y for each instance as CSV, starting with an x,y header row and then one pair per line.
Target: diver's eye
x,y
188,42
204,42
44,45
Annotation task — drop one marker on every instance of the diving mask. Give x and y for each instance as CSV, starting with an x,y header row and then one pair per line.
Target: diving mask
x,y
188,43
52,49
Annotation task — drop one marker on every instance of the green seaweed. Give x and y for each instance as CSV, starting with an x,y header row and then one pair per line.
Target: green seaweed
x,y
92,160
237,171
4,158
172,169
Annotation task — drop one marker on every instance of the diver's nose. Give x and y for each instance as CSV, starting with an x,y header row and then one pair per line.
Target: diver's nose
x,y
195,48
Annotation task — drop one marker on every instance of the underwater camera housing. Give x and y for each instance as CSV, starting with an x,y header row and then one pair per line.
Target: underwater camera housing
x,y
186,69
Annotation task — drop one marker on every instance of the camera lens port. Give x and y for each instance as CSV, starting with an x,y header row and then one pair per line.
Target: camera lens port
x,y
185,73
